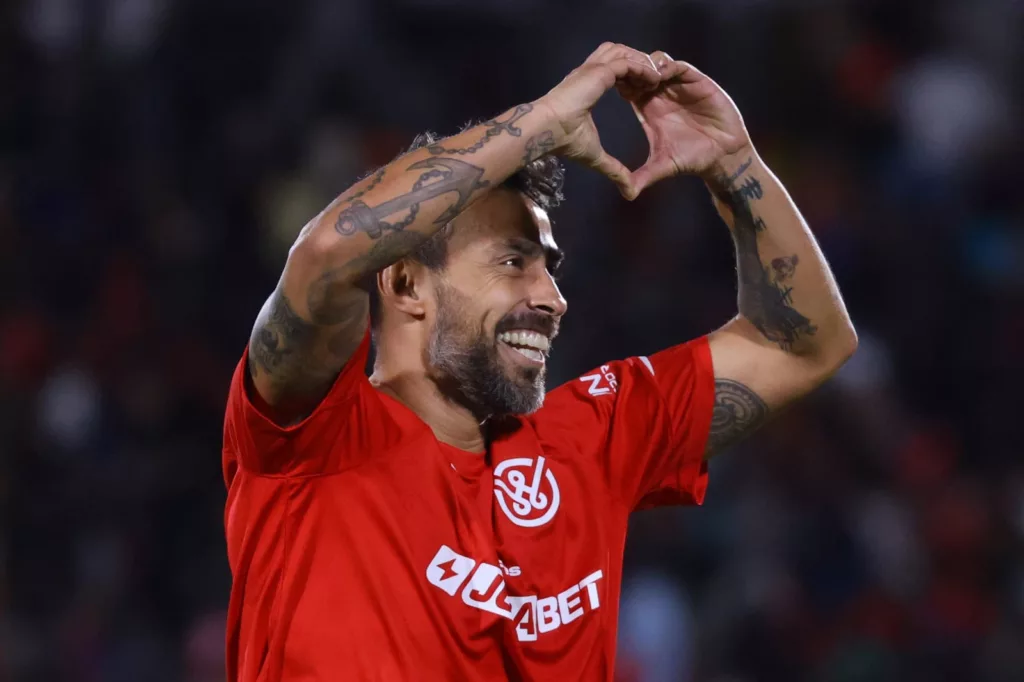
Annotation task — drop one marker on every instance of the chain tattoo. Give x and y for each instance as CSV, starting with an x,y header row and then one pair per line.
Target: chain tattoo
x,y
763,299
441,176
494,128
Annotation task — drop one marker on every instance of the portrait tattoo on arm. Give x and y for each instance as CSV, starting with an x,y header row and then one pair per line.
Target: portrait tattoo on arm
x,y
738,412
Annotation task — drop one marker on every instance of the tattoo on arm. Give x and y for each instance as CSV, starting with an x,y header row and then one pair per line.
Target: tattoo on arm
x,y
329,295
763,299
538,145
441,176
738,412
281,337
494,128
287,350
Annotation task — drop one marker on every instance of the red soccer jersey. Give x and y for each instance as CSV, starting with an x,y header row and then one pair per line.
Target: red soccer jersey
x,y
364,549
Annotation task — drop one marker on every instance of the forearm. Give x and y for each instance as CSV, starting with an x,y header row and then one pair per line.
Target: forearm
x,y
786,289
388,215
314,320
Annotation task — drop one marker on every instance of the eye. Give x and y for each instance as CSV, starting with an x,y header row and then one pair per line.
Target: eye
x,y
514,261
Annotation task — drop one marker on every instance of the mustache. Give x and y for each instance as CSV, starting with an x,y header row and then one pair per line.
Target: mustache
x,y
536,322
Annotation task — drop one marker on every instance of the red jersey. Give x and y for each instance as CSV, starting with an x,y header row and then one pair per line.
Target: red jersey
x,y
362,548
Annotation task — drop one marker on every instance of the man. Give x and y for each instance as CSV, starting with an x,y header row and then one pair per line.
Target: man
x,y
441,519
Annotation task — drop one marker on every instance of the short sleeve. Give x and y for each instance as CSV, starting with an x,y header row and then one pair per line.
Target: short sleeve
x,y
645,419
331,439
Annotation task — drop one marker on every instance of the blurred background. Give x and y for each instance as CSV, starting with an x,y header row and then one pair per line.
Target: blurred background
x,y
157,157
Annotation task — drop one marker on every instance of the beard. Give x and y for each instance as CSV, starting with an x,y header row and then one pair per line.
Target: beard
x,y
467,367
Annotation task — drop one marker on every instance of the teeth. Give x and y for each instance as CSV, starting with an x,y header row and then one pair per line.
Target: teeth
x,y
531,340
535,355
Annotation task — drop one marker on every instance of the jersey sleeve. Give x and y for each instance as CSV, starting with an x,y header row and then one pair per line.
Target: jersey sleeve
x,y
646,420
331,439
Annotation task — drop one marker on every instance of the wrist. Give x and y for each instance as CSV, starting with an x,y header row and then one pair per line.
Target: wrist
x,y
732,165
548,119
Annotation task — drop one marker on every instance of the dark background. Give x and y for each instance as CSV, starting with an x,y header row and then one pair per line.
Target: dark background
x,y
158,157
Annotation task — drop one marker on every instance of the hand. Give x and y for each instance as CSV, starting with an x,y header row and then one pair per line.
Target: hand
x,y
692,125
571,100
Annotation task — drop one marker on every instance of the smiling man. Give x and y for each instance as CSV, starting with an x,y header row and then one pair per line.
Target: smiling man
x,y
442,519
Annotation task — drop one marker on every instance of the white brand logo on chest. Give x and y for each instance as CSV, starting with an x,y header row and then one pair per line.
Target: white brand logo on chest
x,y
527,491
486,590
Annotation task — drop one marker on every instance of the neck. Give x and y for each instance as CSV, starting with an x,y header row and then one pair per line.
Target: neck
x,y
450,421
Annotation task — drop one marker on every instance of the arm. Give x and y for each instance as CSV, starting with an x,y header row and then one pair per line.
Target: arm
x,y
318,314
792,332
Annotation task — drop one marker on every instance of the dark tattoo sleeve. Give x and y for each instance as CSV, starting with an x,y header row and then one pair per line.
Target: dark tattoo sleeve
x,y
440,176
738,412
279,337
328,297
295,356
764,299
494,128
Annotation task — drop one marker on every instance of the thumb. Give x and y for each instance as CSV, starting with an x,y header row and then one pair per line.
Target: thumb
x,y
611,167
656,168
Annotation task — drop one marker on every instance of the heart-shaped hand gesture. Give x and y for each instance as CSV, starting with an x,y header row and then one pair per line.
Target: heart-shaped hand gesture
x,y
692,125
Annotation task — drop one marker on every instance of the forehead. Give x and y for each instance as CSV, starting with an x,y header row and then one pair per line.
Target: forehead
x,y
500,215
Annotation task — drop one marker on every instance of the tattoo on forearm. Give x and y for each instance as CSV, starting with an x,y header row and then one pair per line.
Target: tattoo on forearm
x,y
763,299
494,128
737,413
751,189
742,169
784,267
538,145
441,176
377,177
326,298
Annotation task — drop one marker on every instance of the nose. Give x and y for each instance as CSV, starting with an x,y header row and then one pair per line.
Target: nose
x,y
546,296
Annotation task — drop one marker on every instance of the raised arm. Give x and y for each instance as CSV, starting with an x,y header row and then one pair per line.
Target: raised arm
x,y
792,331
318,314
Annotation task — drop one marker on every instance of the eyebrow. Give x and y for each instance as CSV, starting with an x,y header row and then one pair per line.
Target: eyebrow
x,y
527,248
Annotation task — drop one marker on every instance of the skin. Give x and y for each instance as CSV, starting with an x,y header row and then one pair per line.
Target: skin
x,y
791,332
501,262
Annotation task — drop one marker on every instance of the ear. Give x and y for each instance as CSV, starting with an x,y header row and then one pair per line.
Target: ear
x,y
402,286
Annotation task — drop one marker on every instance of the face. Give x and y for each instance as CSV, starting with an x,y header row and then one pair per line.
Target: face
x,y
497,306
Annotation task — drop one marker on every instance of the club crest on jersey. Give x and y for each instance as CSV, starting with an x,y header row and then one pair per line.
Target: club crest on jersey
x,y
527,491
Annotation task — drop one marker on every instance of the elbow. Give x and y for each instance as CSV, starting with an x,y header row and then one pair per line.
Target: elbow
x,y
842,348
313,244
849,344
318,251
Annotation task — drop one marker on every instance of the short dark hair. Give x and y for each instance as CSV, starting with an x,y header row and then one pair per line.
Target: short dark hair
x,y
541,180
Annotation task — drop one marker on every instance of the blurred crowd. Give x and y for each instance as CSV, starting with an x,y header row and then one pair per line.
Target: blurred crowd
x,y
157,157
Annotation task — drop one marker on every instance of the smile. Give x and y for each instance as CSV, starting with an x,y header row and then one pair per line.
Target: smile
x,y
529,345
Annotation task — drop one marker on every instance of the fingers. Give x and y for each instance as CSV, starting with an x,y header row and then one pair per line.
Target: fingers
x,y
639,73
660,59
651,172
609,52
683,72
611,167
